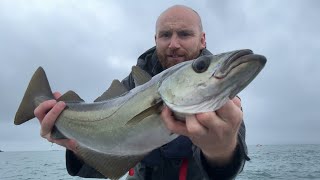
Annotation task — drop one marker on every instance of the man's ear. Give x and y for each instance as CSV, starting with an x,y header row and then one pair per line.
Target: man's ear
x,y
203,40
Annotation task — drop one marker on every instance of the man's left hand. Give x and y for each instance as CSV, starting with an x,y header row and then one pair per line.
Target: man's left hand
x,y
215,133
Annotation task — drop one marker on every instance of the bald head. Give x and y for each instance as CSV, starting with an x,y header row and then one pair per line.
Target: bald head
x,y
178,12
179,36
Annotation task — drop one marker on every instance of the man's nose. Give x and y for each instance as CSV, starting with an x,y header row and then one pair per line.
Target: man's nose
x,y
174,42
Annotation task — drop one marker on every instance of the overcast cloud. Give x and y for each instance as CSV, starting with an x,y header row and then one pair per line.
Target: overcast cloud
x,y
84,45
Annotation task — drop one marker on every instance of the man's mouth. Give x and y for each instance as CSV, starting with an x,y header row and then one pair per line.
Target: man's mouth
x,y
175,56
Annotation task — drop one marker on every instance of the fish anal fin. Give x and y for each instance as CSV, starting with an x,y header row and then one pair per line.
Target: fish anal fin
x,y
116,89
139,76
70,96
111,166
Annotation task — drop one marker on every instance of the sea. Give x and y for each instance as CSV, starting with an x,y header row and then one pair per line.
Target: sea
x,y
287,162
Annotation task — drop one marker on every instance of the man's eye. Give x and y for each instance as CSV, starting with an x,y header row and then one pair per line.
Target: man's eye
x,y
184,34
165,35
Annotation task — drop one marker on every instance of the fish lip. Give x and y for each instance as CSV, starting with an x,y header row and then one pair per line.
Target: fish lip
x,y
235,59
239,54
254,57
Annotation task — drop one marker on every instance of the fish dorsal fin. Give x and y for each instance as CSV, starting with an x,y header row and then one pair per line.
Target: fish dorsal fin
x,y
116,89
111,166
140,76
70,96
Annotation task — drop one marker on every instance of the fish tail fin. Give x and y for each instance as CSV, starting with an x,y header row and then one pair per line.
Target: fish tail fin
x,y
37,91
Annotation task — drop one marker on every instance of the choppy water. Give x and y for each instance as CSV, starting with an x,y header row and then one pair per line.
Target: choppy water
x,y
283,162
267,162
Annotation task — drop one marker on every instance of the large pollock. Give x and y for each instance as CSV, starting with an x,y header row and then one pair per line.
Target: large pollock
x,y
121,127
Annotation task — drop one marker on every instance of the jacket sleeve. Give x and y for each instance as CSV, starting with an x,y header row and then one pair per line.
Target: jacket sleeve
x,y
230,171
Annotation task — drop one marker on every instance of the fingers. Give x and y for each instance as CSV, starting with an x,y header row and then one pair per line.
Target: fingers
x,y
47,113
231,112
210,120
237,101
195,128
228,116
215,133
50,118
171,123
57,95
191,127
41,111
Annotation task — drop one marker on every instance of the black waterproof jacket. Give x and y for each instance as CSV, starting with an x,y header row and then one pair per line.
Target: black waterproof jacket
x,y
165,162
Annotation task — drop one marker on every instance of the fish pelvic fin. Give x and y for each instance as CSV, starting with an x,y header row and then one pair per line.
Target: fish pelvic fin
x,y
109,165
37,91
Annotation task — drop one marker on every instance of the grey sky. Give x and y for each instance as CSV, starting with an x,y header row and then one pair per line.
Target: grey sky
x,y
84,45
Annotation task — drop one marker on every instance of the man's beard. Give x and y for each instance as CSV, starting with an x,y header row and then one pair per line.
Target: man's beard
x,y
167,63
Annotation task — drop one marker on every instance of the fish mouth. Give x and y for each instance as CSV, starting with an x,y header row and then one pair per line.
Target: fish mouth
x,y
237,58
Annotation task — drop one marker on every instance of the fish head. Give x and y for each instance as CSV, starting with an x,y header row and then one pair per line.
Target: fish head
x,y
206,83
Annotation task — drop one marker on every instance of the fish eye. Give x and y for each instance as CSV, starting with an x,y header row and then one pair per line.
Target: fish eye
x,y
201,64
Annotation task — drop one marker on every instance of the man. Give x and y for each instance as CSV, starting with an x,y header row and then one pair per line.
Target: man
x,y
211,145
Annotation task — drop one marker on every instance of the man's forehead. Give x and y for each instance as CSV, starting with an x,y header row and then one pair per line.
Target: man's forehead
x,y
177,21
177,28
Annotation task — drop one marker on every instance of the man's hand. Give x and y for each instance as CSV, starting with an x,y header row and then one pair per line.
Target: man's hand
x,y
215,133
47,113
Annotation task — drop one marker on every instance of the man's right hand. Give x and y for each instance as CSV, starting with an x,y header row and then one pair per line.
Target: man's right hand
x,y
47,113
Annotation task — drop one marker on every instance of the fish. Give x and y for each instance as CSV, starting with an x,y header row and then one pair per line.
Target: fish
x,y
122,126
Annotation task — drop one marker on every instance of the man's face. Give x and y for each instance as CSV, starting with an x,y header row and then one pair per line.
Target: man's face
x,y
178,37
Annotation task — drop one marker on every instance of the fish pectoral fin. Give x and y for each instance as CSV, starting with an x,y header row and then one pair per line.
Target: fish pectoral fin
x,y
154,109
140,76
116,89
109,165
70,96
